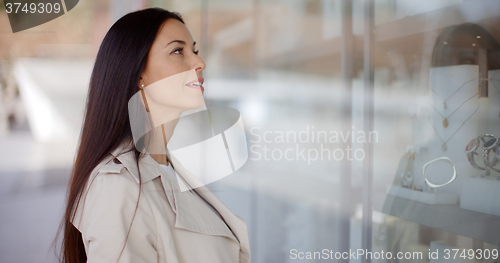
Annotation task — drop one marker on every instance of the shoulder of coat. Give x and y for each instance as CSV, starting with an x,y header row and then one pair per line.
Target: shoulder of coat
x,y
112,166
106,166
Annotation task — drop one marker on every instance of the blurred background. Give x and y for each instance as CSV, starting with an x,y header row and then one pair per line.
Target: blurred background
x,y
310,66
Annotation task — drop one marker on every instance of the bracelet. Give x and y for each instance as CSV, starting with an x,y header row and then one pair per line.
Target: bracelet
x,y
470,150
439,185
496,158
489,146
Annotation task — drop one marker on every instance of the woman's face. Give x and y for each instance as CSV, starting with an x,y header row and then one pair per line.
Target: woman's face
x,y
174,53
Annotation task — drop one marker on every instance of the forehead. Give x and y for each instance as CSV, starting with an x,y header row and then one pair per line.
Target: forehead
x,y
173,29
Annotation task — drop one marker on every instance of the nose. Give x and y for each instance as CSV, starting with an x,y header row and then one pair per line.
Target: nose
x,y
198,64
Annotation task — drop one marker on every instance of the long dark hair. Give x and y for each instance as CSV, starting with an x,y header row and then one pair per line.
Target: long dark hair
x,y
120,61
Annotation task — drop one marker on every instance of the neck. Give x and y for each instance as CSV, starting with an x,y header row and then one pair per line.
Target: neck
x,y
162,134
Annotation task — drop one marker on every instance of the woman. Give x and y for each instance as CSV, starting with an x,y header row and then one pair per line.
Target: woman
x,y
124,205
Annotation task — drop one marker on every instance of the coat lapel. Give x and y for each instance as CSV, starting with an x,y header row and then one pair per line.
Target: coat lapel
x,y
235,223
193,215
190,214
148,167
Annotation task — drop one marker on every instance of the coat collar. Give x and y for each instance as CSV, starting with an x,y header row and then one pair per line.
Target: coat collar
x,y
182,202
125,153
236,223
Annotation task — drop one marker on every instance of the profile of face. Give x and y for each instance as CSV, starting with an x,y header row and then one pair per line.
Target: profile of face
x,y
172,78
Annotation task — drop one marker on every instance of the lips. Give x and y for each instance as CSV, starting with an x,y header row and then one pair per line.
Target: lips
x,y
196,85
201,80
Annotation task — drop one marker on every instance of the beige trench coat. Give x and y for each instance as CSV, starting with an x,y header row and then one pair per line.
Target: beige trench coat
x,y
170,226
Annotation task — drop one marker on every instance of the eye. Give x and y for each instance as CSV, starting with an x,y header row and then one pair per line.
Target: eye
x,y
178,49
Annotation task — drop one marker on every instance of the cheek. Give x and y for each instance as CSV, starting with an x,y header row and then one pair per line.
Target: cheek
x,y
166,88
160,67
193,98
166,95
172,91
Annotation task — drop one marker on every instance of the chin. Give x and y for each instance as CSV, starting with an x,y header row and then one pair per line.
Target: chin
x,y
196,104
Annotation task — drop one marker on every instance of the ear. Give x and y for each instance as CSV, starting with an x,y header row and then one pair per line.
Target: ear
x,y
141,84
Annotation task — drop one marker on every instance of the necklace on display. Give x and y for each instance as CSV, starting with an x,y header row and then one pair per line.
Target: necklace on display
x,y
445,119
444,146
444,100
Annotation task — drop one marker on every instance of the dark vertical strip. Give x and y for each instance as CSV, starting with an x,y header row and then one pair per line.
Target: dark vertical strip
x,y
483,72
368,46
346,67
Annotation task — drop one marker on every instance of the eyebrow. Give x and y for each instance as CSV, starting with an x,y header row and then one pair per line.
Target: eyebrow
x,y
179,41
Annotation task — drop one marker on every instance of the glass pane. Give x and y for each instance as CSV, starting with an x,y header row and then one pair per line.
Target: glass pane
x,y
319,179
437,113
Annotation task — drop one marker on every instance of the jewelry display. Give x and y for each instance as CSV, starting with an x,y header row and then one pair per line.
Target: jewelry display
x,y
480,186
484,136
444,100
415,187
432,185
407,175
447,178
406,179
444,146
470,150
490,144
496,157
445,119
407,189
